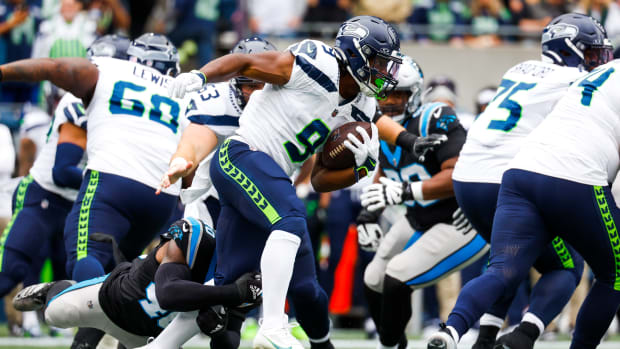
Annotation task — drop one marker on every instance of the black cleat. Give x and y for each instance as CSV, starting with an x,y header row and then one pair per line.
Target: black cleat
x,y
441,339
514,340
32,297
483,344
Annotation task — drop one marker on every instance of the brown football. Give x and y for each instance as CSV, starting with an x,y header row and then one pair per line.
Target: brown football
x,y
335,155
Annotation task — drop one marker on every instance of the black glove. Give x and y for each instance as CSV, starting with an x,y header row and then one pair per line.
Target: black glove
x,y
250,289
212,320
419,145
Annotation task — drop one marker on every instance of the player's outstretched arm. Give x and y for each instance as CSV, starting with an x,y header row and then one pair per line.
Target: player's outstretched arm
x,y
177,292
271,67
76,75
196,143
395,134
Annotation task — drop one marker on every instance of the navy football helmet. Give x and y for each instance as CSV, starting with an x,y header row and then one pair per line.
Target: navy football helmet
x,y
114,46
576,40
369,48
252,44
155,50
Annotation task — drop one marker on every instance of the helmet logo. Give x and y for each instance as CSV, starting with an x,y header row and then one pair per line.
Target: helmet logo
x,y
560,30
353,29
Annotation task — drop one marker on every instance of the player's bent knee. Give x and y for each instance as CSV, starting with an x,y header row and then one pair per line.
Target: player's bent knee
x,y
374,274
292,224
62,314
306,290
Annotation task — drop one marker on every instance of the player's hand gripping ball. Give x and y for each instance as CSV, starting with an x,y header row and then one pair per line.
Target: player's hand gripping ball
x,y
335,155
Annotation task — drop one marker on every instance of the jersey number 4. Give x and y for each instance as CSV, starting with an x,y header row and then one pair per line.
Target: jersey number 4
x,y
509,88
119,104
589,86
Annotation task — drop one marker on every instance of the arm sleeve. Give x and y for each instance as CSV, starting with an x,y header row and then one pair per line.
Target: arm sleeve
x,y
175,292
66,172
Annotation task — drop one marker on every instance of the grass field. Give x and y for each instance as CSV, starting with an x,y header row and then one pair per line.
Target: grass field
x,y
342,339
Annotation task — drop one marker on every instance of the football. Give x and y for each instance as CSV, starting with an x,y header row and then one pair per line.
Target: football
x,y
335,155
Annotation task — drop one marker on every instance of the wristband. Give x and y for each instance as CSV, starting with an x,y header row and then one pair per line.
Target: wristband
x,y
406,140
416,191
202,75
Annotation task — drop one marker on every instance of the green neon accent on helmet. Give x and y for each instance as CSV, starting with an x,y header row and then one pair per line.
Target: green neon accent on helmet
x,y
19,205
612,231
247,185
379,83
563,253
82,238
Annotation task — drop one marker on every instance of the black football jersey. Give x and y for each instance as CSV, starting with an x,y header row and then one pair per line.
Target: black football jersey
x,y
400,165
127,296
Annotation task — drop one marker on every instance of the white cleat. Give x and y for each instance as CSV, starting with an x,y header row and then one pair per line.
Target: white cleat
x,y
441,339
275,338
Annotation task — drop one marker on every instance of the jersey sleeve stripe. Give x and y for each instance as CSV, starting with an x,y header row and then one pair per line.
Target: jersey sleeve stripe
x,y
220,120
426,116
315,74
194,241
68,115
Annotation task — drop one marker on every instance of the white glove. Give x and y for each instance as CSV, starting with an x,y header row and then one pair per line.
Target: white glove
x,y
378,195
186,82
369,149
460,222
369,236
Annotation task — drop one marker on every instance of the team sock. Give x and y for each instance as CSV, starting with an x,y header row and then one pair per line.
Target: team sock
x,y
276,265
395,311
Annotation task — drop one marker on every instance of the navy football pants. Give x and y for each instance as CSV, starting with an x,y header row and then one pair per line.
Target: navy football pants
x,y
531,210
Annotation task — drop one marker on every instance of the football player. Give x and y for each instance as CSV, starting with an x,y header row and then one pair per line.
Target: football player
x,y
133,130
44,197
139,299
423,246
553,193
281,127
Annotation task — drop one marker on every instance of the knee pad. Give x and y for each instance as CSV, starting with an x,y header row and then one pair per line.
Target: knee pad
x,y
87,268
292,224
374,274
59,313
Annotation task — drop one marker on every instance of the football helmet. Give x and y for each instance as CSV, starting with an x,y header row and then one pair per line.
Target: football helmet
x,y
252,44
369,49
576,40
411,82
114,46
156,51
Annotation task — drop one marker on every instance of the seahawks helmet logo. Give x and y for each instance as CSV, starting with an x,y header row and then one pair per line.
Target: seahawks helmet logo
x,y
353,29
560,30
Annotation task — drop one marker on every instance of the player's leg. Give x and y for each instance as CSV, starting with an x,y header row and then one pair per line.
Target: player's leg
x,y
78,305
434,255
588,223
37,213
561,268
259,189
400,235
519,235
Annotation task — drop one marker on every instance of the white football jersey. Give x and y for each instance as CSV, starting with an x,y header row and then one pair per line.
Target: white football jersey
x,y
580,139
133,128
69,110
290,122
526,95
34,126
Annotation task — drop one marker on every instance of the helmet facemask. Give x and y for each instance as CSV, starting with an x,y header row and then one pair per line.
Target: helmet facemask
x,y
379,74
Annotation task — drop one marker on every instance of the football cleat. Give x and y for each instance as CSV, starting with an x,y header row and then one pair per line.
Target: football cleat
x,y
516,339
441,339
276,338
32,297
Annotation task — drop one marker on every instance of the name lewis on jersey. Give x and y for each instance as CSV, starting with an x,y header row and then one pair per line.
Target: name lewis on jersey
x,y
151,76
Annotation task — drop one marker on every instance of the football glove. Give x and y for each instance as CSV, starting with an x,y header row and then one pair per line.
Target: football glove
x,y
366,153
424,144
379,195
212,320
185,83
369,233
460,222
250,289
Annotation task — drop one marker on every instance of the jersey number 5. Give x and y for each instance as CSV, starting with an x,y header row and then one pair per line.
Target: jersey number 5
x,y
509,88
310,138
121,105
